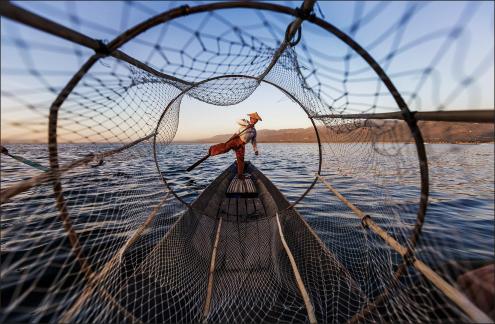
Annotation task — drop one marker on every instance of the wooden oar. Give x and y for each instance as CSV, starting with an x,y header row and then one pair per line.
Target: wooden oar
x,y
198,162
25,161
208,155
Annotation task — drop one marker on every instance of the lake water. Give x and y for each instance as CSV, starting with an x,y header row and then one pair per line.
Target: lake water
x,y
460,217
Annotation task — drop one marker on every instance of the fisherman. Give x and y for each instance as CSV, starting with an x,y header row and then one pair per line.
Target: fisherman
x,y
246,134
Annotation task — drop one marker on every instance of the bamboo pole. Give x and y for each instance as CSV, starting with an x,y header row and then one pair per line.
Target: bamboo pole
x,y
11,11
23,16
159,243
371,306
297,275
209,291
24,185
452,293
137,234
354,284
116,304
103,274
468,116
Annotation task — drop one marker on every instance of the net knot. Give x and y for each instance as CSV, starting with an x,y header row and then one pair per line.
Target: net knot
x,y
409,257
102,49
363,221
304,14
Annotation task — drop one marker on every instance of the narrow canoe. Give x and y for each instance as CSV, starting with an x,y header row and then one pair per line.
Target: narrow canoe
x,y
224,260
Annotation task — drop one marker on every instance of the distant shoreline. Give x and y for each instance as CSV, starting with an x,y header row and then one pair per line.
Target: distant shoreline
x,y
262,142
388,131
368,132
456,143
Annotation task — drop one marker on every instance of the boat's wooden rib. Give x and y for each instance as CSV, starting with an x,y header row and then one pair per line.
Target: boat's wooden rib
x,y
242,188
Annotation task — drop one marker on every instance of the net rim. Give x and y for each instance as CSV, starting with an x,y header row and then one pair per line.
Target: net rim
x,y
186,10
238,76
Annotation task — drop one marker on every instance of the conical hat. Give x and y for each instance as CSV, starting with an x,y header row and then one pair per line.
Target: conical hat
x,y
255,115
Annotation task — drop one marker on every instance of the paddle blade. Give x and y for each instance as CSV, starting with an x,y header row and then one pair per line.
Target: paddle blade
x,y
197,163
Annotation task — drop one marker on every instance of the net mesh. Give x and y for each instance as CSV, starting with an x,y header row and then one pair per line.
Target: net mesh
x,y
120,242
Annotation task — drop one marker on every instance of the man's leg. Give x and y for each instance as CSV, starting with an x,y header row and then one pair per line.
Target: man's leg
x,y
236,144
239,153
218,149
222,148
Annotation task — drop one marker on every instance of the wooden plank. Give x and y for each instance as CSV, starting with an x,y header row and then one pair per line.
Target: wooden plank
x,y
238,186
230,188
233,216
250,208
250,187
224,208
259,208
242,210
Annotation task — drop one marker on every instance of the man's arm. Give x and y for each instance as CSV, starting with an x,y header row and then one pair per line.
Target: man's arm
x,y
255,146
243,122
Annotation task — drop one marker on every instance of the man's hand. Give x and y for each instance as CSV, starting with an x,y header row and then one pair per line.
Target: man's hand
x,y
256,153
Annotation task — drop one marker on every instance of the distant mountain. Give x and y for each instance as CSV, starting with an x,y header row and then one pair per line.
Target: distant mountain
x,y
442,132
375,131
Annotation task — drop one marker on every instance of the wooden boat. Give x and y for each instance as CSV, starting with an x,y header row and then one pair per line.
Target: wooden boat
x,y
239,253
235,256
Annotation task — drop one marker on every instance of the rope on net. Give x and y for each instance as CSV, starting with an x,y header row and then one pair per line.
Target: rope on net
x,y
169,262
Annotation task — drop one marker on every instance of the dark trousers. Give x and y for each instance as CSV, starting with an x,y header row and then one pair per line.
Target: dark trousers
x,y
235,144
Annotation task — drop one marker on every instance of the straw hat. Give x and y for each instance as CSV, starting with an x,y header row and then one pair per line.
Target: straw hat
x,y
255,115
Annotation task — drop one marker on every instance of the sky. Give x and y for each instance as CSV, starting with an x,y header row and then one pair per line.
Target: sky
x,y
276,109
455,39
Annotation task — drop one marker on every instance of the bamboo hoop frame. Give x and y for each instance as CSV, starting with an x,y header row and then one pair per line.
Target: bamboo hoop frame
x,y
185,91
186,10
12,12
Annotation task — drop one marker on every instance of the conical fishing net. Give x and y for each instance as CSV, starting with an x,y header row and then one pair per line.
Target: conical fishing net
x,y
96,225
